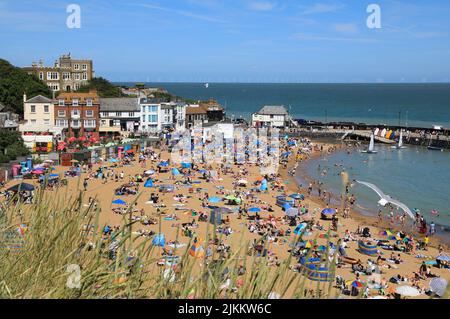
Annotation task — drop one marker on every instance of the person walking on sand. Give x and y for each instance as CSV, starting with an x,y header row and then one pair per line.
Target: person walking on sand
x,y
85,184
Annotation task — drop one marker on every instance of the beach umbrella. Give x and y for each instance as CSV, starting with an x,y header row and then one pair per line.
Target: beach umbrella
x,y
297,196
357,284
37,172
71,139
159,240
74,161
196,250
328,211
242,182
119,202
214,199
254,210
299,229
438,286
149,183
163,164
21,187
292,212
407,291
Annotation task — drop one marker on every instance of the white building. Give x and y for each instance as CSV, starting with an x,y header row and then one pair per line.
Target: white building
x,y
119,116
157,116
271,116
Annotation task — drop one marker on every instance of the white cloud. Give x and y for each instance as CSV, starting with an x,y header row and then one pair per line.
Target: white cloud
x,y
262,5
321,8
184,13
349,28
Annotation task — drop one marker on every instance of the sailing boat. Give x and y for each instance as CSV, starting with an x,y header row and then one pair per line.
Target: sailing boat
x,y
371,149
400,142
206,85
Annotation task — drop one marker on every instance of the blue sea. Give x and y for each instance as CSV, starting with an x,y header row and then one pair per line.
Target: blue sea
x,y
415,176
422,105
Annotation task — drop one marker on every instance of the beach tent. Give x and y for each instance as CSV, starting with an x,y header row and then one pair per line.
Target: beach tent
x,y
159,240
254,210
175,172
149,183
119,202
149,172
163,164
21,187
286,207
196,250
186,165
113,160
263,187
299,229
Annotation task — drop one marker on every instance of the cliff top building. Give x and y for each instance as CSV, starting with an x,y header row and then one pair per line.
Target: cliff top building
x,y
66,74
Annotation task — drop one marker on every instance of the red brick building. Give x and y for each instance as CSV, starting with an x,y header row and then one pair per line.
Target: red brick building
x,y
78,114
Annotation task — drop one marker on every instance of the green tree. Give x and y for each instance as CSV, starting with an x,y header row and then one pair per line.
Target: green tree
x,y
104,88
14,82
11,146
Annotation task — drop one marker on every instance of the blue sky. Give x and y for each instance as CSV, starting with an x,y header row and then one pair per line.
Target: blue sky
x,y
236,40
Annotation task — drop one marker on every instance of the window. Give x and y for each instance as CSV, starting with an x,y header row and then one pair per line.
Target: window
x,y
131,114
46,121
89,123
75,102
84,76
105,114
33,121
75,112
61,103
143,108
32,108
61,113
46,109
61,123
154,118
41,75
89,113
143,118
66,76
76,66
153,108
76,76
84,66
52,76
118,114
89,102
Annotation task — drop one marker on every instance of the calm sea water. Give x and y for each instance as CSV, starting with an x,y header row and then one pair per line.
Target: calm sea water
x,y
419,104
415,176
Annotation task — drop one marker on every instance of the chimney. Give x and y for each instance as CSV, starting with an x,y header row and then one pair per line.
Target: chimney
x,y
24,97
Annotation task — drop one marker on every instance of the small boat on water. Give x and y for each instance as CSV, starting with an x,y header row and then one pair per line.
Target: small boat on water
x,y
400,142
434,148
371,149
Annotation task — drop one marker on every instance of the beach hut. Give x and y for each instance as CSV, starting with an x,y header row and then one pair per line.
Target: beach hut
x,y
368,248
159,240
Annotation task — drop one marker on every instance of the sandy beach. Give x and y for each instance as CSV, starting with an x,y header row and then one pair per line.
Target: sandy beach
x,y
189,201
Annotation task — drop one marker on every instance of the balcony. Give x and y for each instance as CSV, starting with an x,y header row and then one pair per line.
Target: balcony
x,y
88,124
75,116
